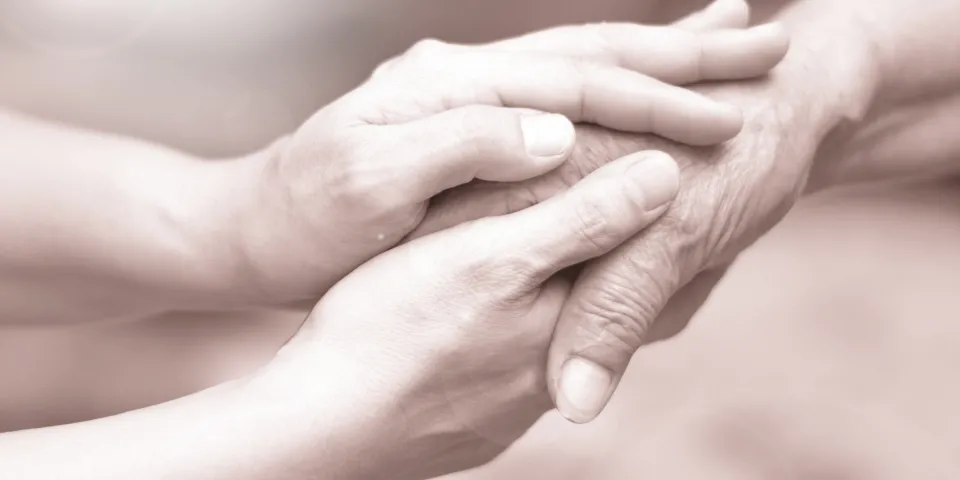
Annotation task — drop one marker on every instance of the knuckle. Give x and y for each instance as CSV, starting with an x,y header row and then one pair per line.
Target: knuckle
x,y
343,183
583,71
427,49
699,61
385,68
619,314
694,61
508,271
351,187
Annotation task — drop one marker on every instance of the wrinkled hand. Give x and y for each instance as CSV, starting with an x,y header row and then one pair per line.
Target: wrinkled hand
x,y
448,334
730,195
357,177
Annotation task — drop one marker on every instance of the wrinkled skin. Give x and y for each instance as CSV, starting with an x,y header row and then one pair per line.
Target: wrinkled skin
x,y
450,355
355,178
730,195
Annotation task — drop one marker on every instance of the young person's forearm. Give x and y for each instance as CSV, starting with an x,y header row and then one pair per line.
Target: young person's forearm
x,y
321,423
96,226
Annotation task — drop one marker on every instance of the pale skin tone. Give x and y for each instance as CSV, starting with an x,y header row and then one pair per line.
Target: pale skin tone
x,y
906,139
170,231
847,64
212,434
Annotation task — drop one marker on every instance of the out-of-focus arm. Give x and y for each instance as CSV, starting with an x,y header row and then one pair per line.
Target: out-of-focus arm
x,y
95,227
905,104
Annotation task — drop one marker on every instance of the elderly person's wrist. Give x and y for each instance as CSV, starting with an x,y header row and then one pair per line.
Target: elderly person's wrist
x,y
829,82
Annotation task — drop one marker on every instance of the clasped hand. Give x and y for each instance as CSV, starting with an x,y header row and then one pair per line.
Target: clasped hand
x,y
453,327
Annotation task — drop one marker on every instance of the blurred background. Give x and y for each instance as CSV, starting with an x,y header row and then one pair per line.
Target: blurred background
x,y
828,352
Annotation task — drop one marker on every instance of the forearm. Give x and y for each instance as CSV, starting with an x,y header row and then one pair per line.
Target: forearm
x,y
879,76
914,45
911,141
322,425
96,226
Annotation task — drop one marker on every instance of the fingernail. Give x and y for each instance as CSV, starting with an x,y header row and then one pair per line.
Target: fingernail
x,y
583,390
547,135
657,177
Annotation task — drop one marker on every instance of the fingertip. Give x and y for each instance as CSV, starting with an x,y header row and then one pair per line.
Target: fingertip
x,y
547,135
729,122
655,176
722,122
548,139
583,390
773,43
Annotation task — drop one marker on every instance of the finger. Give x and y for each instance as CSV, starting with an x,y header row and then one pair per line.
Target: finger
x,y
604,209
676,55
474,142
672,55
472,202
605,95
610,311
719,14
681,308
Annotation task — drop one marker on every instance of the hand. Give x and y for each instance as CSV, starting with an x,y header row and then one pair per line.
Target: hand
x,y
730,195
449,333
357,177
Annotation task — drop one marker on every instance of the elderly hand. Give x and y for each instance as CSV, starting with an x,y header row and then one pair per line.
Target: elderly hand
x,y
730,195
447,335
357,177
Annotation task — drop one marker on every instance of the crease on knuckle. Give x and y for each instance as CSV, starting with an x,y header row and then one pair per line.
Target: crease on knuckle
x,y
509,273
618,315
583,73
698,65
690,49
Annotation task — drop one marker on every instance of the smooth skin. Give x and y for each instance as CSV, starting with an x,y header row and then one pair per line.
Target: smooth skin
x,y
442,373
113,228
124,241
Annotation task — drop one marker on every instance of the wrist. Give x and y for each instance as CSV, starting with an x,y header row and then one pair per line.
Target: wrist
x,y
254,258
207,208
278,251
831,78
349,417
832,71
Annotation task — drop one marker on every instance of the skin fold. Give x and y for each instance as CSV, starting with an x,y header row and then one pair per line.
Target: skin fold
x,y
914,135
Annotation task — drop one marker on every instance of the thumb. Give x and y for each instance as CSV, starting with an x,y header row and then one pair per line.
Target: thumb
x,y
608,316
475,142
603,210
